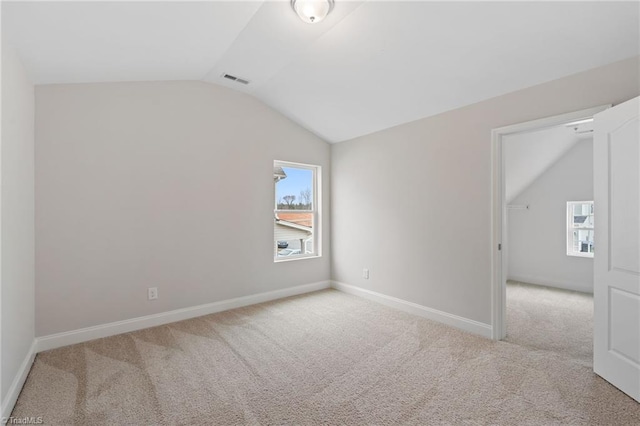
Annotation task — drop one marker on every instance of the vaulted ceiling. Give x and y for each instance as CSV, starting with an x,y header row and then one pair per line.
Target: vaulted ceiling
x,y
369,65
528,155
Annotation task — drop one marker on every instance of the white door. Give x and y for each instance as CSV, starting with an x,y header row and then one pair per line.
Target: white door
x,y
617,251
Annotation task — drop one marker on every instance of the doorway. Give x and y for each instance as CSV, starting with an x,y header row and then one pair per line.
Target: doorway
x,y
508,200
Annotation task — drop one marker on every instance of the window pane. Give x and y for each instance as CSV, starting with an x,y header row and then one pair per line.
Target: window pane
x,y
582,215
581,224
294,233
295,211
583,241
294,189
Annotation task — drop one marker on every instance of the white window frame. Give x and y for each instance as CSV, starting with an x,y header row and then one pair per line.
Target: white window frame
x,y
316,210
571,229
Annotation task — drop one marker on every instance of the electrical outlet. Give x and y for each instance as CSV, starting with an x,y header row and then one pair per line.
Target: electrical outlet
x,y
153,293
365,273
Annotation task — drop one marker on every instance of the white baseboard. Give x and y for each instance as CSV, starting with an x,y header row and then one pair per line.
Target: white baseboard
x,y
461,323
16,386
111,329
582,288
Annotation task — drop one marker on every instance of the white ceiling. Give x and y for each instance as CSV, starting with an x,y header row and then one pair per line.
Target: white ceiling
x,y
528,155
368,66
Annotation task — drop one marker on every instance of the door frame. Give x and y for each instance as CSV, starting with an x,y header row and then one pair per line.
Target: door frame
x,y
498,208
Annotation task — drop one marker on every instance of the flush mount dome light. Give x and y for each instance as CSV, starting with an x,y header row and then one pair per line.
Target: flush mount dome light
x,y
312,11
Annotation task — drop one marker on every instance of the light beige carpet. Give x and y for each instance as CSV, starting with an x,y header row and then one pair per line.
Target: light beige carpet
x,y
323,358
550,319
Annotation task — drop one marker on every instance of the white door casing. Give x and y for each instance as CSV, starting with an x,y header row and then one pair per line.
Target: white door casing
x,y
617,249
499,246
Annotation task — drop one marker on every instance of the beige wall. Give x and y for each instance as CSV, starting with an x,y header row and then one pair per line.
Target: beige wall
x,y
146,184
538,236
166,185
413,203
17,212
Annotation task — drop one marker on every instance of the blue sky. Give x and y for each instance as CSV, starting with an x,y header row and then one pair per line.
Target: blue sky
x,y
297,180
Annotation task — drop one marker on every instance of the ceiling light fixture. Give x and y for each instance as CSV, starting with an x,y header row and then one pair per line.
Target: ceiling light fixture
x,y
312,11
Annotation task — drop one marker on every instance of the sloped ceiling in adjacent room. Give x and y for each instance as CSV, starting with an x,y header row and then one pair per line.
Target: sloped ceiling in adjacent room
x,y
528,155
369,65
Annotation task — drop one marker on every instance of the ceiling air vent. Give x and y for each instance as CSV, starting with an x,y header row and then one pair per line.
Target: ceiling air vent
x,y
236,79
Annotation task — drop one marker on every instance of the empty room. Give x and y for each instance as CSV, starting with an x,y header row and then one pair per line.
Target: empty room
x,y
550,241
305,212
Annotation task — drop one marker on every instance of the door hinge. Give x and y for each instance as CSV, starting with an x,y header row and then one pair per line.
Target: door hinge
x,y
499,246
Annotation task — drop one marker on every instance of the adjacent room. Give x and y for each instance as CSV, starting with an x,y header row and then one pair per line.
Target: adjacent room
x,y
550,244
320,212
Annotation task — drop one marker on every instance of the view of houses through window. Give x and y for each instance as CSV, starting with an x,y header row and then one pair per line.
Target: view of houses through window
x,y
295,210
580,228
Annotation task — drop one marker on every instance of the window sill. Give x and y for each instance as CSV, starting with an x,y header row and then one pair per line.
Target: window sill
x,y
586,255
293,258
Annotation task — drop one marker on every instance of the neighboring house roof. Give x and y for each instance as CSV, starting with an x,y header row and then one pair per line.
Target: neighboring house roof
x,y
579,219
301,219
298,230
278,173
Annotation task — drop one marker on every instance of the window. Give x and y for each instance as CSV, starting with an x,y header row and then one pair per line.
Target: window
x,y
296,214
580,228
